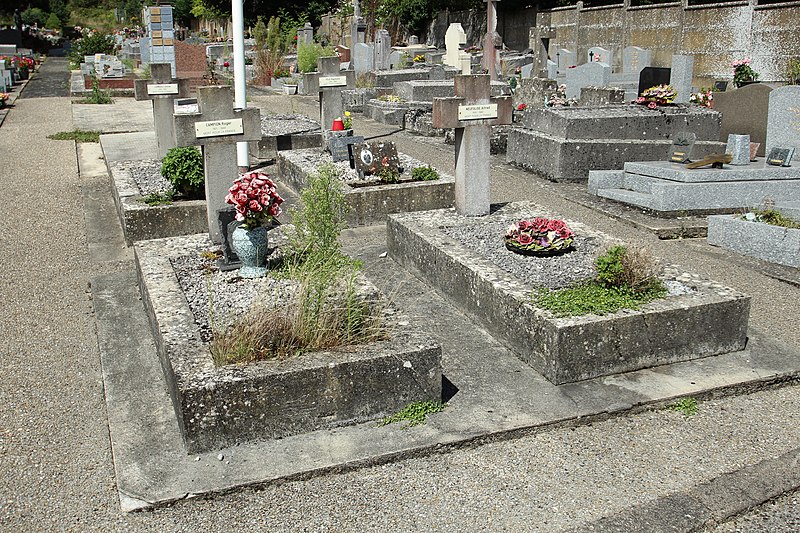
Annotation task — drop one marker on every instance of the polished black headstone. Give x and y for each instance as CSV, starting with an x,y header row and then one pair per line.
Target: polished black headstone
x,y
652,76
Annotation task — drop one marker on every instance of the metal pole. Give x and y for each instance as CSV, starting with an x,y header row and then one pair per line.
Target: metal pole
x,y
239,77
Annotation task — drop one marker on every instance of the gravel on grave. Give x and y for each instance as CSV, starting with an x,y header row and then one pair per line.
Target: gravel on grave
x,y
551,272
288,124
204,286
146,173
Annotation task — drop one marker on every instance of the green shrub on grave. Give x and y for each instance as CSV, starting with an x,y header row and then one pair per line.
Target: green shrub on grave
x,y
183,168
308,54
424,174
97,43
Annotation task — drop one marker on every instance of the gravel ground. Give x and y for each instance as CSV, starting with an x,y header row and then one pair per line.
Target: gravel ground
x,y
147,175
56,470
288,124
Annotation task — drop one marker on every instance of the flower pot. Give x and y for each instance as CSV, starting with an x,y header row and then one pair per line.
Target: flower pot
x,y
251,247
290,89
23,74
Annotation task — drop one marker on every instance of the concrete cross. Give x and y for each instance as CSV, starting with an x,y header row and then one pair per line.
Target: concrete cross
x,y
217,128
331,82
489,50
472,112
162,89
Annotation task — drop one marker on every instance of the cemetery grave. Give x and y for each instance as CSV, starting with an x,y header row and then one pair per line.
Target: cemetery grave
x,y
566,143
668,188
218,406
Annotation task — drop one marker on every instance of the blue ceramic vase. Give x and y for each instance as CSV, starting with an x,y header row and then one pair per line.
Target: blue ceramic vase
x,y
251,247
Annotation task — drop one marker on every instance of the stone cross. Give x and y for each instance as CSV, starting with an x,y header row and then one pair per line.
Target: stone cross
x,y
305,34
489,51
472,112
162,89
217,128
331,82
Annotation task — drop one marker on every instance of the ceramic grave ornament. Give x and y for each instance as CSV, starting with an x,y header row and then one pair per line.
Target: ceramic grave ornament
x,y
162,89
682,144
217,127
472,112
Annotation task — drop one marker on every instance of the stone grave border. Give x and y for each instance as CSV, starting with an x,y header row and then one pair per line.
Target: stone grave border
x,y
711,321
235,404
371,204
773,244
142,222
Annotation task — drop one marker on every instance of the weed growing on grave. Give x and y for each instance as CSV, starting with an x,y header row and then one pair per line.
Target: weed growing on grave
x,y
159,198
309,53
81,136
688,406
772,217
414,413
183,168
388,175
365,81
627,279
424,174
393,98
328,309
98,95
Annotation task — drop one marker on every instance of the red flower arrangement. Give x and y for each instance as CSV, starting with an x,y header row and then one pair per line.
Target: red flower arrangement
x,y
256,199
521,106
539,236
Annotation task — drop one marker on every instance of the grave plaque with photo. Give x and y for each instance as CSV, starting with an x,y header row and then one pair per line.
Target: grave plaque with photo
x,y
780,157
682,146
372,157
652,76
341,148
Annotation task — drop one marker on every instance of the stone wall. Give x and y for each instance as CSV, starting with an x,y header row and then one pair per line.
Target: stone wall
x,y
715,34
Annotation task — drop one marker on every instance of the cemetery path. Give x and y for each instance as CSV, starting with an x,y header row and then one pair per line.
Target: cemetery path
x,y
56,470
52,79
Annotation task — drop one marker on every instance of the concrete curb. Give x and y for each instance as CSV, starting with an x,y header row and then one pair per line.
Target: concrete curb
x,y
708,504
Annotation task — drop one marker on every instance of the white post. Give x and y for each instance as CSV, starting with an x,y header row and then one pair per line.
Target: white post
x,y
239,77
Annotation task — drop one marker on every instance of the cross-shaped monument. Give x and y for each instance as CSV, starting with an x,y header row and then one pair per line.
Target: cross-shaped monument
x,y
217,128
489,50
332,81
162,89
472,112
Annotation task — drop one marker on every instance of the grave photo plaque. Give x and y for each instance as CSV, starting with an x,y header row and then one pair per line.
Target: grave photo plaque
x,y
780,157
682,146
371,157
341,148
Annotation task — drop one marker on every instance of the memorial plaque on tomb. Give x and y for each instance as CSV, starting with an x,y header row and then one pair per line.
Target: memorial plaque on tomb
x,y
682,146
780,157
218,128
341,148
372,157
652,76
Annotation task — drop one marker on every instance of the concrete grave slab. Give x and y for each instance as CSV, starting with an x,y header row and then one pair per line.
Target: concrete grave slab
x,y
709,320
755,239
783,120
755,99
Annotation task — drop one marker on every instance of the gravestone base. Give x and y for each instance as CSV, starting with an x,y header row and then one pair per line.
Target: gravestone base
x,y
563,160
225,406
392,113
354,100
755,239
670,189
565,143
369,204
498,140
285,132
708,321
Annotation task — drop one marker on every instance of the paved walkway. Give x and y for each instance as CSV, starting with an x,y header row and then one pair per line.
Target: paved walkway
x,y
51,80
56,468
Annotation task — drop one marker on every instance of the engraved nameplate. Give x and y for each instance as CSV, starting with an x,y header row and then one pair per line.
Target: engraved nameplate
x,y
332,81
477,111
162,88
218,128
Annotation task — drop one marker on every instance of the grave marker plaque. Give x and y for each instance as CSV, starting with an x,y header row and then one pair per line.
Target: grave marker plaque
x,y
162,89
682,146
780,157
372,157
217,127
341,148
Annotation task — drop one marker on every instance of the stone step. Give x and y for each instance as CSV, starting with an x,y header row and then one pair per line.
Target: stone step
x,y
627,196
